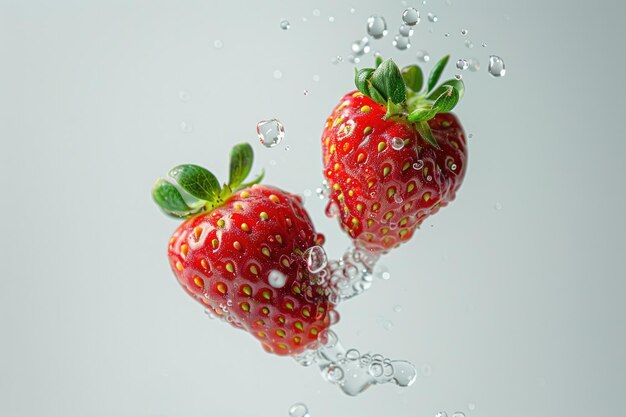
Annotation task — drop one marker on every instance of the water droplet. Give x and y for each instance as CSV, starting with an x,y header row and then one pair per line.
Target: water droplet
x,y
441,414
186,127
423,56
397,143
484,45
316,259
352,10
276,279
304,19
331,19
375,369
458,76
354,59
469,44
316,78
376,26
336,60
382,272
458,414
353,355
398,199
405,30
496,66
446,34
429,178
270,132
184,96
411,16
299,410
464,32
361,47
397,308
273,162
316,12
471,406
387,325
334,373
287,148
284,24
474,64
218,44
432,17
305,92
418,165
278,74
333,317
498,206
401,42
453,167
462,64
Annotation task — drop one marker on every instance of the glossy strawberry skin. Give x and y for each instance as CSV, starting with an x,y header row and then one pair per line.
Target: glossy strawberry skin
x,y
383,194
223,259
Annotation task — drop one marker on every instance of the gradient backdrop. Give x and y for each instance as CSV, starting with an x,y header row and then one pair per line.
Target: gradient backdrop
x,y
511,299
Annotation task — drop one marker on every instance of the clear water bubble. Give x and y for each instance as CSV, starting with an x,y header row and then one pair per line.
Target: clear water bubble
x,y
375,369
184,96
306,92
474,64
328,338
335,373
411,16
218,44
284,24
299,410
496,66
333,317
418,165
401,42
397,308
405,30
278,74
270,132
498,206
382,272
332,210
304,19
276,279
471,406
464,32
387,325
352,10
484,45
469,44
429,178
376,26
331,19
336,60
186,127
441,414
287,148
397,143
316,12
458,76
432,17
273,162
353,355
361,46
447,34
462,64
398,199
354,59
316,259
423,56
458,414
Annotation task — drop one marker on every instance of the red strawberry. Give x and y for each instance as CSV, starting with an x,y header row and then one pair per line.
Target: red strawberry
x,y
234,244
392,155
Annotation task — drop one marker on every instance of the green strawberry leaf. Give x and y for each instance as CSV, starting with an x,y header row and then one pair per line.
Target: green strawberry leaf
x,y
424,130
197,181
257,180
241,158
361,80
422,114
447,100
388,81
435,73
379,60
413,77
458,84
168,197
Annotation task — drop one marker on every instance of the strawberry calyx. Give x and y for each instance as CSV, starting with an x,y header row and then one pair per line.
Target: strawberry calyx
x,y
406,97
190,189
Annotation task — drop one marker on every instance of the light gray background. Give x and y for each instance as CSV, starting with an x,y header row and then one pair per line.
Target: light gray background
x,y
519,311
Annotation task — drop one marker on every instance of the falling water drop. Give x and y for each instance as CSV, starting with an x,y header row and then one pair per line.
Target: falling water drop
x,y
299,410
276,279
462,64
284,24
432,17
397,143
401,42
270,132
411,16
316,259
423,56
496,66
376,26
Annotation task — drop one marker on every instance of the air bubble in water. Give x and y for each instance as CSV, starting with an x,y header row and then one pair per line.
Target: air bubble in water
x,y
474,64
331,19
284,24
432,17
446,34
218,44
186,127
418,165
498,206
299,410
458,76
464,32
276,279
401,42
387,325
471,406
287,148
496,66
336,60
376,26
382,272
458,414
375,369
398,199
305,92
484,45
423,56
316,12
316,259
333,317
411,16
278,74
405,30
397,143
441,414
335,374
462,64
361,46
397,308
270,132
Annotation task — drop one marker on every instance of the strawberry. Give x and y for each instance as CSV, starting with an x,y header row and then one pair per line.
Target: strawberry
x,y
240,253
393,154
